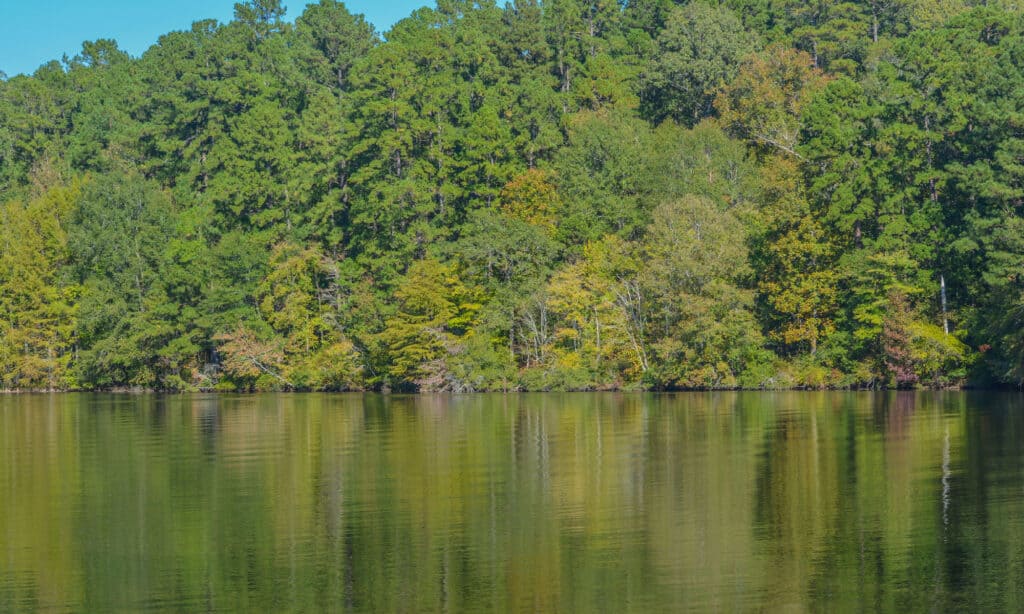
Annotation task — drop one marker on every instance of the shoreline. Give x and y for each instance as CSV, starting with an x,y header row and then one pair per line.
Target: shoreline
x,y
153,391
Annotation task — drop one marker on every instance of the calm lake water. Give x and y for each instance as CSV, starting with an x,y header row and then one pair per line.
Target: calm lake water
x,y
549,502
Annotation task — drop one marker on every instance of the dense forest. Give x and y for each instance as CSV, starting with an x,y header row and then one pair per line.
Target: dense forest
x,y
565,194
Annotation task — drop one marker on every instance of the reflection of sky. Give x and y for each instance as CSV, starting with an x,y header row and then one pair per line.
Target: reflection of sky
x,y
37,31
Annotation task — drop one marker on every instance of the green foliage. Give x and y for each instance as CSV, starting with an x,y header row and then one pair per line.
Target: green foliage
x,y
334,41
537,195
707,336
129,332
602,177
699,51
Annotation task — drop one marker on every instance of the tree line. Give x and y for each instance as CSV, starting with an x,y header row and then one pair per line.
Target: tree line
x,y
565,194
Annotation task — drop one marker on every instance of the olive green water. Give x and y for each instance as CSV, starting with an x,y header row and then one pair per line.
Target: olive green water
x,y
605,502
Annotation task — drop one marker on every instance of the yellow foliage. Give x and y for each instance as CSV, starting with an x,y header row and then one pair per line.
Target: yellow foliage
x,y
532,198
37,308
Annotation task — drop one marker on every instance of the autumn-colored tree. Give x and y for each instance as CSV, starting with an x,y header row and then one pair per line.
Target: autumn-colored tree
x,y
531,197
37,306
796,261
302,345
763,103
435,311
896,341
248,357
598,311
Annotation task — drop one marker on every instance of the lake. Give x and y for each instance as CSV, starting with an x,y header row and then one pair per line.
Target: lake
x,y
534,502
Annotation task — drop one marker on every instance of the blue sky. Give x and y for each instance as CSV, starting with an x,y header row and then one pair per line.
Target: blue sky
x,y
33,32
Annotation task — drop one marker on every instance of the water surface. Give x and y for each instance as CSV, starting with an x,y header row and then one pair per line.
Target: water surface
x,y
542,503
